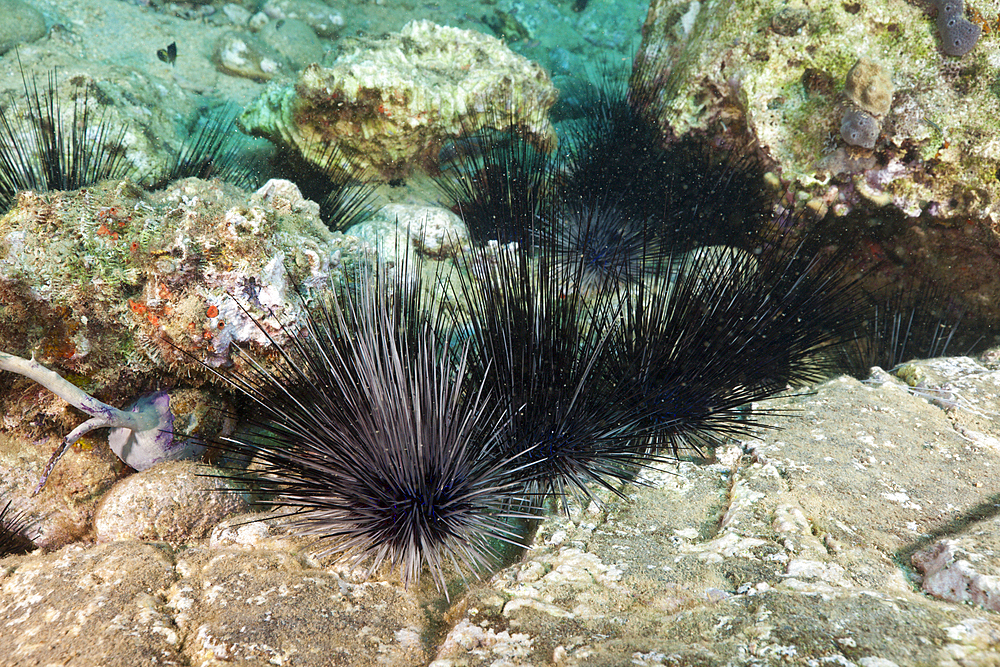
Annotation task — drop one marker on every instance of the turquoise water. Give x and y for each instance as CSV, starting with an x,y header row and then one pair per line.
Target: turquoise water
x,y
564,36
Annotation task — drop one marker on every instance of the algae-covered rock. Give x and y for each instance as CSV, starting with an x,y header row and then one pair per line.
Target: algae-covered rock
x,y
110,277
938,152
391,103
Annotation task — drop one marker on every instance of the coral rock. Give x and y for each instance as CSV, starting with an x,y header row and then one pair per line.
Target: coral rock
x,y
111,277
869,85
937,137
294,40
391,103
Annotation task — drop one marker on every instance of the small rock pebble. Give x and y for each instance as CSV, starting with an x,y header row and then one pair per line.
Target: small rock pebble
x,y
325,20
294,40
172,502
247,56
21,23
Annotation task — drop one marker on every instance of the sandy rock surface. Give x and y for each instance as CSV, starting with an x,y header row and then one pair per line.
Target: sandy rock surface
x,y
800,547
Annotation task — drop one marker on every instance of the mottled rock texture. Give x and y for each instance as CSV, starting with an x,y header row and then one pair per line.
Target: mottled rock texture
x,y
108,285
794,548
391,103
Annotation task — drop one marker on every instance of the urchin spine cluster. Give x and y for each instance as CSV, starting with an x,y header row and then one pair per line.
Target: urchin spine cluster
x,y
373,437
587,336
902,324
14,529
41,151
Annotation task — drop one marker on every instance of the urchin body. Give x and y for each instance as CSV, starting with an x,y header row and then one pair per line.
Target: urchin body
x,y
373,441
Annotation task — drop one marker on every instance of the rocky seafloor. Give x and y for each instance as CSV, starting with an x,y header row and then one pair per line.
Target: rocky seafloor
x,y
863,532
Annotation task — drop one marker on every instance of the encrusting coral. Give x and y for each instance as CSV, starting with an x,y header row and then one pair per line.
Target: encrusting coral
x,y
390,104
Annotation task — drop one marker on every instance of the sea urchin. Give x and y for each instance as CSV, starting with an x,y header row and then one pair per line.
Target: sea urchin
x,y
373,440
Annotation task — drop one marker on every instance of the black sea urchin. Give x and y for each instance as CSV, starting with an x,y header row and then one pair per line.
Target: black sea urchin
x,y
538,311
689,191
13,533
41,151
498,182
589,348
213,148
903,324
595,243
538,346
374,441
611,346
723,328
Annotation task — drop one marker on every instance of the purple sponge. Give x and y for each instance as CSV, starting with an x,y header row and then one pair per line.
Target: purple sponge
x,y
958,34
859,128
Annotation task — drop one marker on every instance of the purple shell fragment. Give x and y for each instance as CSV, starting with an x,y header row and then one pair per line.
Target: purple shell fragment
x,y
144,449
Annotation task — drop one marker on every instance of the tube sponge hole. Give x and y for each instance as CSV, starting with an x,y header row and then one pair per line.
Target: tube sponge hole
x,y
859,128
958,34
949,7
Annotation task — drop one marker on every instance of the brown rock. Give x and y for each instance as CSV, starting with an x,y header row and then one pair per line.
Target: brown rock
x,y
172,502
869,85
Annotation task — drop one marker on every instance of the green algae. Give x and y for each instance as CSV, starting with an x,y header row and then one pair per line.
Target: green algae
x,y
733,51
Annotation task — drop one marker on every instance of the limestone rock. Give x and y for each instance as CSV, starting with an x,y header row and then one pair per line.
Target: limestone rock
x,y
172,502
111,608
432,231
709,562
392,103
949,574
294,40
